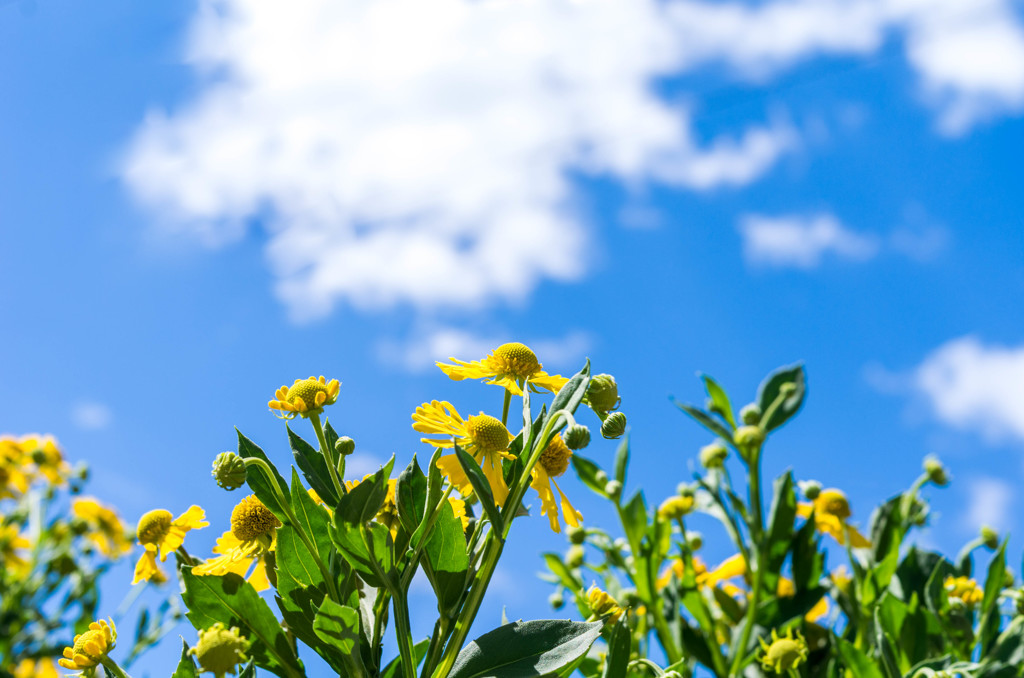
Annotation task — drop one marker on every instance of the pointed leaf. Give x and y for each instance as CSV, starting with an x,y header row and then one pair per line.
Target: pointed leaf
x,y
481,486
525,649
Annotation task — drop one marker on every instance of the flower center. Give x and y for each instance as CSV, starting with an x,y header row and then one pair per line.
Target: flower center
x,y
251,519
91,640
487,433
517,360
834,503
306,390
784,654
153,526
555,457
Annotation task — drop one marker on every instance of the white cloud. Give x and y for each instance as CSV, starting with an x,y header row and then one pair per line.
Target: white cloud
x,y
359,464
988,503
91,416
424,348
801,241
974,387
408,152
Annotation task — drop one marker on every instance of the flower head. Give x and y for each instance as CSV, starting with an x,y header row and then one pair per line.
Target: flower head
x,y
508,366
602,604
229,471
160,532
253,534
14,480
90,648
831,510
482,436
964,589
676,507
106,530
45,455
553,462
220,650
43,667
784,653
305,397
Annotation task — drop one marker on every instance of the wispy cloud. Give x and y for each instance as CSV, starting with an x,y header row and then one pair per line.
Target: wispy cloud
x,y
91,416
988,503
801,241
421,153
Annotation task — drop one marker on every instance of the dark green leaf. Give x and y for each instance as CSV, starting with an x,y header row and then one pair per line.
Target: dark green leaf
x,y
769,391
808,560
362,502
411,496
186,665
314,468
695,643
587,472
858,663
338,627
525,649
989,614
350,545
704,420
780,527
719,398
571,394
619,645
481,487
394,667
256,477
447,558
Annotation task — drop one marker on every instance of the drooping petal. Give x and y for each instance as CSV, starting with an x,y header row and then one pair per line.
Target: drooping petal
x,y
572,516
495,477
548,506
551,382
451,469
146,567
463,370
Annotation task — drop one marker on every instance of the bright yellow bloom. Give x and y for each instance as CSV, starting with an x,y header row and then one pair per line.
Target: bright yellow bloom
x,y
91,647
47,457
253,534
783,653
676,507
964,589
553,462
482,436
107,531
831,510
388,513
603,605
159,531
508,366
305,397
731,567
14,481
44,667
459,509
11,542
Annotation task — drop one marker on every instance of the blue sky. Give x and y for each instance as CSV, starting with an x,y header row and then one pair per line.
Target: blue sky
x,y
203,202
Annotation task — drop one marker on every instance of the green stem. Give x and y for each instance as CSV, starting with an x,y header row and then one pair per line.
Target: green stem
x,y
328,454
115,670
505,406
757,573
436,645
403,629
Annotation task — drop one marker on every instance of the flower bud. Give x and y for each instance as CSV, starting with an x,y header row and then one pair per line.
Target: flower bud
x,y
936,471
556,600
810,488
713,455
601,477
602,604
788,389
695,540
613,489
575,556
751,414
345,446
614,425
220,650
748,436
576,437
675,508
577,535
990,537
603,393
229,470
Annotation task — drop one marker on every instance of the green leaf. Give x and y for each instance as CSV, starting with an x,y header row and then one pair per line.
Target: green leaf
x,y
362,502
411,496
858,663
704,420
808,559
231,600
622,460
352,548
634,519
587,472
314,468
571,394
394,667
769,391
1009,647
447,558
619,645
312,518
525,649
338,626
780,527
249,671
481,487
729,605
989,614
257,479
564,574
719,398
695,643
186,666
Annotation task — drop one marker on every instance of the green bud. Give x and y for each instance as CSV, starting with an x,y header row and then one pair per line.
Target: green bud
x,y
936,471
575,556
614,425
694,540
220,650
810,488
990,537
345,446
751,414
787,389
748,436
576,437
577,535
601,477
603,393
713,455
557,600
613,489
229,470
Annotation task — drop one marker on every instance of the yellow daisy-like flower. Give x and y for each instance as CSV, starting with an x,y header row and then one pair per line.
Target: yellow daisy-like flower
x,y
107,530
159,531
965,589
47,457
305,397
44,667
783,653
11,543
92,647
482,436
14,481
831,510
508,366
554,461
253,534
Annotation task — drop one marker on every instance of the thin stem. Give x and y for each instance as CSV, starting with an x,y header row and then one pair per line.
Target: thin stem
x,y
115,670
328,453
757,572
403,629
505,406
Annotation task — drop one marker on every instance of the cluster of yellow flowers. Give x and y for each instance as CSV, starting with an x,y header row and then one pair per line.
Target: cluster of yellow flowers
x,y
26,460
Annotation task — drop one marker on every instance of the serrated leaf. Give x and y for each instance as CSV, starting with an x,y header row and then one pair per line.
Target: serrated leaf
x,y
525,649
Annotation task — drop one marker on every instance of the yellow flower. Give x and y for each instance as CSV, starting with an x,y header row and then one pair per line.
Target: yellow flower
x,y
783,654
482,436
91,647
14,481
11,542
253,534
459,509
729,568
47,457
107,531
603,605
388,513
676,507
831,509
305,397
43,667
553,462
507,366
964,589
159,531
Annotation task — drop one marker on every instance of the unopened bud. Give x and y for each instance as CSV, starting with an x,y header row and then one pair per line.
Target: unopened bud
x,y
576,437
936,471
220,650
603,393
810,488
713,455
694,540
575,556
345,446
787,389
990,537
613,489
577,535
675,508
557,600
229,470
748,436
601,477
614,425
751,414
